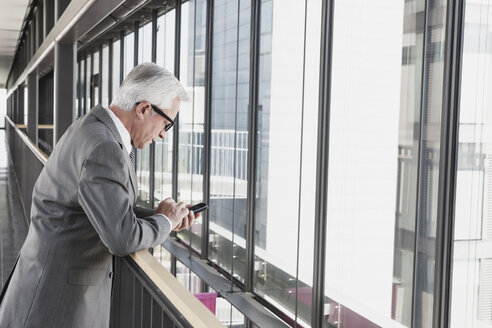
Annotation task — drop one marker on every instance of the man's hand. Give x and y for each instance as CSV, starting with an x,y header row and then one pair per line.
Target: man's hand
x,y
174,212
187,220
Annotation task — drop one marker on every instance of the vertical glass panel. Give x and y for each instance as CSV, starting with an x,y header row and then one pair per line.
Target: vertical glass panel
x,y
116,66
471,304
187,278
375,125
164,148
88,95
229,135
95,78
26,104
105,77
408,161
143,177
191,115
77,89
82,86
286,155
145,43
429,170
163,256
129,53
223,310
165,39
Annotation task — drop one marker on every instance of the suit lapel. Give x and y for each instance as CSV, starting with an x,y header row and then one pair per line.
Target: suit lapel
x,y
104,117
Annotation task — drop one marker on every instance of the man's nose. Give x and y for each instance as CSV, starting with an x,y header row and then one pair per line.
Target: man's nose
x,y
162,134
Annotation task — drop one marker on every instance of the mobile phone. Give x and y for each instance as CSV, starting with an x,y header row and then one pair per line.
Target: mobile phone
x,y
198,207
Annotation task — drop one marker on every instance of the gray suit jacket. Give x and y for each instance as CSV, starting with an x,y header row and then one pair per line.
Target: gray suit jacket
x,y
82,212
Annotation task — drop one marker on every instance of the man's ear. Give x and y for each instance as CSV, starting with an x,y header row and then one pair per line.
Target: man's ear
x,y
141,109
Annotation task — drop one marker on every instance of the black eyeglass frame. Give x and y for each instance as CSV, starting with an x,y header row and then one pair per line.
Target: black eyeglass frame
x,y
160,112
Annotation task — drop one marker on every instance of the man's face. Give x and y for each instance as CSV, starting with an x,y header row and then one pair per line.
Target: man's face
x,y
148,125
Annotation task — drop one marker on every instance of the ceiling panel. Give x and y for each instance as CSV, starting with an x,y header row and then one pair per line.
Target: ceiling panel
x,y
12,14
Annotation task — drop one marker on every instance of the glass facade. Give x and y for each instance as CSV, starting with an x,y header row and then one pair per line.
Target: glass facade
x,y
471,304
247,142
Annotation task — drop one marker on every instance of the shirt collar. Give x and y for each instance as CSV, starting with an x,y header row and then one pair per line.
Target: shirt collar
x,y
124,134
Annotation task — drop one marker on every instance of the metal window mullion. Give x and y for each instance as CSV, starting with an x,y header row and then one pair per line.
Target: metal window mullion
x,y
79,89
84,91
448,162
136,26
91,86
152,145
252,142
122,56
110,71
177,61
177,51
326,60
420,182
207,125
99,75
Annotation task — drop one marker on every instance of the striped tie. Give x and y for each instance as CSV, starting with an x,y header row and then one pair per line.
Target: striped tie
x,y
132,157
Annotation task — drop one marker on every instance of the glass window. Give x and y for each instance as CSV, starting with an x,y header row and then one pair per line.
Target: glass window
x,y
286,154
376,135
88,95
164,148
165,39
145,43
223,310
229,135
163,256
191,114
105,75
116,66
471,304
129,53
82,87
187,278
95,78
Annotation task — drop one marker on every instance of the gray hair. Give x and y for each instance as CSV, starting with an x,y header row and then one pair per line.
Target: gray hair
x,y
148,82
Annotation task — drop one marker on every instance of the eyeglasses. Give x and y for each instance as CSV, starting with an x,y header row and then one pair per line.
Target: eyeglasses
x,y
160,112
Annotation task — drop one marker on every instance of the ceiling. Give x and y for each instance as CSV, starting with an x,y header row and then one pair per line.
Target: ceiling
x,y
12,15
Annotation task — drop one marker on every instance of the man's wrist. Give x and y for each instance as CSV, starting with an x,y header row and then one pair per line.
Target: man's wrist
x,y
168,220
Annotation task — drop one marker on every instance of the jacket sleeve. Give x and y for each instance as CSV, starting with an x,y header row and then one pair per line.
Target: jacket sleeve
x,y
105,198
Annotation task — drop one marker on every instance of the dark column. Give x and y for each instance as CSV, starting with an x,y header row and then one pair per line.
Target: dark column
x,y
32,110
39,23
65,87
60,6
48,17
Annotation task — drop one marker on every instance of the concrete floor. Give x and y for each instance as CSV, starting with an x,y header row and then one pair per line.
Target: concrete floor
x,y
13,223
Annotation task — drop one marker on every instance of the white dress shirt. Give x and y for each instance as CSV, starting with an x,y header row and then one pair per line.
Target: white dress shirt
x,y
127,142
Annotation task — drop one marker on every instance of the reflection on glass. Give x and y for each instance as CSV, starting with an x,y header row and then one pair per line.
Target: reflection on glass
x,y
374,157
164,148
116,67
191,114
143,177
408,162
471,304
223,310
105,77
429,170
95,78
82,82
187,278
129,53
286,154
163,256
165,39
88,102
145,43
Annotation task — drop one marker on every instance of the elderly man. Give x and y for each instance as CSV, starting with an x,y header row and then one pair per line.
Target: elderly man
x,y
83,209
